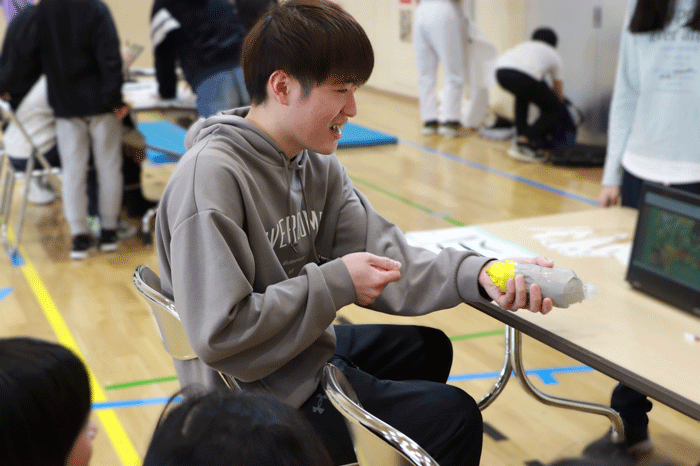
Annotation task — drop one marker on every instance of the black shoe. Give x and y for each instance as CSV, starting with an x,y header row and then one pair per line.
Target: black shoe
x,y
137,205
109,241
429,128
81,246
637,444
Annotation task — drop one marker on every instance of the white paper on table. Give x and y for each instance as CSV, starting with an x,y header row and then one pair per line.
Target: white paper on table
x,y
143,95
466,238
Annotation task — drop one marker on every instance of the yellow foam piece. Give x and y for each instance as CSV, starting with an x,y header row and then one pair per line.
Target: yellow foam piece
x,y
500,272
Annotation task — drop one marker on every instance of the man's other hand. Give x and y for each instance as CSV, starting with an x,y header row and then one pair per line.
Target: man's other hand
x,y
370,274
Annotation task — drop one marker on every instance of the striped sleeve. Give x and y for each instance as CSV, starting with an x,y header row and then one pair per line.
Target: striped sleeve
x,y
162,24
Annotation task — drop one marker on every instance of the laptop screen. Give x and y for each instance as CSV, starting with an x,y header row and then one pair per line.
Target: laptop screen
x,y
665,260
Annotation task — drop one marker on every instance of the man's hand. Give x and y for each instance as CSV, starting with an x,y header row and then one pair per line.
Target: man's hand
x,y
609,196
516,295
370,274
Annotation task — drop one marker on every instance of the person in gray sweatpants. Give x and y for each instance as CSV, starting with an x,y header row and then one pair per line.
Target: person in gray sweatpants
x,y
80,57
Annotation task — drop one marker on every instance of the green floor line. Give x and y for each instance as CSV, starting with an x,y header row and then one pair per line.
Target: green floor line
x,y
477,335
141,382
406,201
174,378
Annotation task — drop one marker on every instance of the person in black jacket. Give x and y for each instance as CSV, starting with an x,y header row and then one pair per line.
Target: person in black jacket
x,y
80,57
20,66
205,37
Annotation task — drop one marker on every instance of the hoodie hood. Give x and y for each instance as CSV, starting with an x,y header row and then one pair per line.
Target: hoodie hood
x,y
229,123
234,118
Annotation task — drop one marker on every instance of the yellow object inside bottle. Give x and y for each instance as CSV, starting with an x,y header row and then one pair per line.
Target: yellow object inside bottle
x,y
500,272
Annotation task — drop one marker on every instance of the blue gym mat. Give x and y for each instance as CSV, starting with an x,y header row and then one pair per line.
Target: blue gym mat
x,y
359,136
166,142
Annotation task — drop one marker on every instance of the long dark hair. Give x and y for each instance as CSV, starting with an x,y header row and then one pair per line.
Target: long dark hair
x,y
44,401
654,15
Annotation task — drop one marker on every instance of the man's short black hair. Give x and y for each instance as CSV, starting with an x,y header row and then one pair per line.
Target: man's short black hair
x,y
545,35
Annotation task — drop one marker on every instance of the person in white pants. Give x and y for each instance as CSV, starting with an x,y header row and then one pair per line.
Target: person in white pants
x,y
437,36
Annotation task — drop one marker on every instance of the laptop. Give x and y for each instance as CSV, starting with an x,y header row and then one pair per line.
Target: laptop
x,y
665,259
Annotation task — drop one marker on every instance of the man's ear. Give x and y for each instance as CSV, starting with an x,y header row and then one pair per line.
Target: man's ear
x,y
279,86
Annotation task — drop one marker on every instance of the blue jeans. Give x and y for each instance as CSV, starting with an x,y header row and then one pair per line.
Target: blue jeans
x,y
221,91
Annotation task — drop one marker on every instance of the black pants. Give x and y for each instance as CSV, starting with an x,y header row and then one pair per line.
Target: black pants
x,y
632,405
51,156
528,90
399,374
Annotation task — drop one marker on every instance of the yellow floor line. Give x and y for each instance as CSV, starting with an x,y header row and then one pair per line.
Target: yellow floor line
x,y
110,422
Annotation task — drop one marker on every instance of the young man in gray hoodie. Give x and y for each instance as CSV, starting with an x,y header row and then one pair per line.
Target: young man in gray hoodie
x,y
262,238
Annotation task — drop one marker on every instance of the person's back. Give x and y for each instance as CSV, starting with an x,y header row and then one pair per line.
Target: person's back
x,y
534,57
80,57
212,33
20,64
205,37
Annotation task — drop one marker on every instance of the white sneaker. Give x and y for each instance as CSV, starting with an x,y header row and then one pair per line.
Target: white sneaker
x,y
524,153
40,192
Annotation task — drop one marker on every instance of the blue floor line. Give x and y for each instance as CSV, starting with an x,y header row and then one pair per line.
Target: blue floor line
x,y
546,375
488,169
16,259
133,403
4,292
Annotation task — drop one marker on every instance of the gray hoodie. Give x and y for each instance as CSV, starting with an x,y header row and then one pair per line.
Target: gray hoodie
x,y
249,246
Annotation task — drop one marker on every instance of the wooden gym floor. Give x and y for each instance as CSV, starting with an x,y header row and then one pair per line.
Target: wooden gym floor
x,y
420,183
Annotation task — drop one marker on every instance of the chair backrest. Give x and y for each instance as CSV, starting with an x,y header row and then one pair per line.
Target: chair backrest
x,y
163,310
376,442
168,322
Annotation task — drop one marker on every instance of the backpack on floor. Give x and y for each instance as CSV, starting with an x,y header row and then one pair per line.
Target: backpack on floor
x,y
562,142
579,155
564,134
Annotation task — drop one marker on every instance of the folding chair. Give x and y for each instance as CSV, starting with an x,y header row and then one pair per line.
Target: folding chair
x,y
376,443
170,328
9,175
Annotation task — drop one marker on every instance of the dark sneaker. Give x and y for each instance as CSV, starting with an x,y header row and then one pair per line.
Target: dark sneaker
x,y
636,445
429,128
81,247
109,241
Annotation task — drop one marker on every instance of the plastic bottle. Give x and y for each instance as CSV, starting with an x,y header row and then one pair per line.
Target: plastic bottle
x,y
563,286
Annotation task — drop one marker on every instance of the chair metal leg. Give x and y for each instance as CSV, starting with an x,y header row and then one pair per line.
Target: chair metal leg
x,y
503,376
6,205
594,408
146,225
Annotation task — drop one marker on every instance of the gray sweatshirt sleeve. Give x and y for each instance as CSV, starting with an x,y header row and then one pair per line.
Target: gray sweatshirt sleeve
x,y
428,283
231,327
